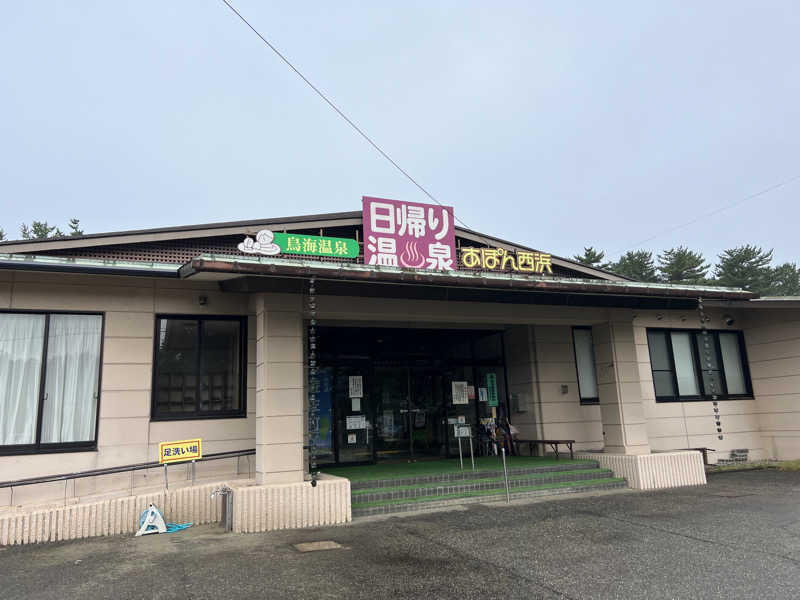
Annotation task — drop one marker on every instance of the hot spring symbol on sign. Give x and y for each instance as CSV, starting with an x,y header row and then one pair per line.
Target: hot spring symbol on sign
x,y
411,257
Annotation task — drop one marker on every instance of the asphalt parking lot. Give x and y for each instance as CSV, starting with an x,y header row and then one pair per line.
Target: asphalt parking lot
x,y
738,537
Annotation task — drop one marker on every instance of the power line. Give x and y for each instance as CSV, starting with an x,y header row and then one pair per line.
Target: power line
x,y
340,113
713,212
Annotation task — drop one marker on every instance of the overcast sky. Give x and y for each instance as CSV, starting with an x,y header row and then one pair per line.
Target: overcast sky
x,y
557,124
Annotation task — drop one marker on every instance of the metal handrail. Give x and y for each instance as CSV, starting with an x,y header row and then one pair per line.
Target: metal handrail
x,y
122,469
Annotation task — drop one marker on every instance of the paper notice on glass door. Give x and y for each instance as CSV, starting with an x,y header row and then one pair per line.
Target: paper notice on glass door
x,y
460,395
356,386
356,422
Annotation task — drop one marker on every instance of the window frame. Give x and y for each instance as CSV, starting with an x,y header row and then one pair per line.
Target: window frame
x,y
589,400
702,396
241,412
58,447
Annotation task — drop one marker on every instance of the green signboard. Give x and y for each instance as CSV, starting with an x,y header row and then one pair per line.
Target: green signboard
x,y
315,245
491,384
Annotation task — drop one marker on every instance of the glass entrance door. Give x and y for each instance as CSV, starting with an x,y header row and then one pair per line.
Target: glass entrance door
x,y
409,413
427,409
392,416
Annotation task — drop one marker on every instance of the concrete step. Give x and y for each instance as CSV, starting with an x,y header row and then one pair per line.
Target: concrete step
x,y
364,509
440,488
467,473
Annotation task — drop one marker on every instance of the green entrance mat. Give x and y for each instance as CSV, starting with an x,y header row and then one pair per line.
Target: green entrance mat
x,y
493,492
583,474
402,470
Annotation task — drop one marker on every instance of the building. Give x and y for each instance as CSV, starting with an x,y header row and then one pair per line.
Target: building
x,y
394,325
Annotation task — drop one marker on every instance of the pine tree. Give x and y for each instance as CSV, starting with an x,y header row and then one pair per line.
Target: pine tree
x,y
40,230
784,280
681,265
745,267
592,258
74,226
636,265
2,235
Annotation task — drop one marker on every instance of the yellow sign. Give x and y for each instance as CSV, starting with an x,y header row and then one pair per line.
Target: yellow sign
x,y
170,452
500,259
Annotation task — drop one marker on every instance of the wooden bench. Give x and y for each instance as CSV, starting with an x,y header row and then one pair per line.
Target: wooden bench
x,y
533,446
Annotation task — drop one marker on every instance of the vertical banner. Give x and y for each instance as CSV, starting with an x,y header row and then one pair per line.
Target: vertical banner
x,y
408,234
491,385
324,406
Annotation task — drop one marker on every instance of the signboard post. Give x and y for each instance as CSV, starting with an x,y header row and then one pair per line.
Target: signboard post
x,y
180,451
464,431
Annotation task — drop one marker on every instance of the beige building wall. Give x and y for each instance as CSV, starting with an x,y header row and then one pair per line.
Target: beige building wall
x,y
560,413
541,372
522,380
679,425
126,435
773,350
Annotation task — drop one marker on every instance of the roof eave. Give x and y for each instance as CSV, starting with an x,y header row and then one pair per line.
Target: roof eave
x,y
360,273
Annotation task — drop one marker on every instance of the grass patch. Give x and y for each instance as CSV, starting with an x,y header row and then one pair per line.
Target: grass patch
x,y
785,465
436,467
434,484
789,465
494,492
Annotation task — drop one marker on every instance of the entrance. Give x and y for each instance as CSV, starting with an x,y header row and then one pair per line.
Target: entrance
x,y
408,413
389,393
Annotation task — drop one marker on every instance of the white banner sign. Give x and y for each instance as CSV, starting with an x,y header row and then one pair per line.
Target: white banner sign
x,y
460,395
356,422
356,386
463,431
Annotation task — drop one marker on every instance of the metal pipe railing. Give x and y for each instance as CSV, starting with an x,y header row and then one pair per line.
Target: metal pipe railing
x,y
112,470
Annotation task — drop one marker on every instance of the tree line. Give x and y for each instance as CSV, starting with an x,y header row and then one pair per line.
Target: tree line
x,y
748,267
40,230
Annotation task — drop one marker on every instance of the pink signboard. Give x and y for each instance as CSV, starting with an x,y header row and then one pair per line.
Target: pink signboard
x,y
408,234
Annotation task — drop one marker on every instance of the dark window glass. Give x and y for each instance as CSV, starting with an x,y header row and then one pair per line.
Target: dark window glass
x,y
708,351
712,366
661,363
489,346
219,367
198,368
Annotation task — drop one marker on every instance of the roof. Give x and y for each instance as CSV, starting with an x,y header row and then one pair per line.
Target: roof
x,y
159,234
235,266
236,273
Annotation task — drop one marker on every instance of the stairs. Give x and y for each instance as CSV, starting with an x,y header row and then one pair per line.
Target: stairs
x,y
385,496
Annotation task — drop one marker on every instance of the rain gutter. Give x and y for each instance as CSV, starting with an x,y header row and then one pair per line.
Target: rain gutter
x,y
281,267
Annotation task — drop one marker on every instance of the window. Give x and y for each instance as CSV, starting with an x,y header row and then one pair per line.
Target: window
x,y
198,369
584,361
692,365
49,381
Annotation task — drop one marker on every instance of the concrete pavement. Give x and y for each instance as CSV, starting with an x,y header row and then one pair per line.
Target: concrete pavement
x,y
738,537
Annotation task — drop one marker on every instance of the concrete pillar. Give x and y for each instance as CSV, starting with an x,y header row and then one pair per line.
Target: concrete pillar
x,y
280,388
619,390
